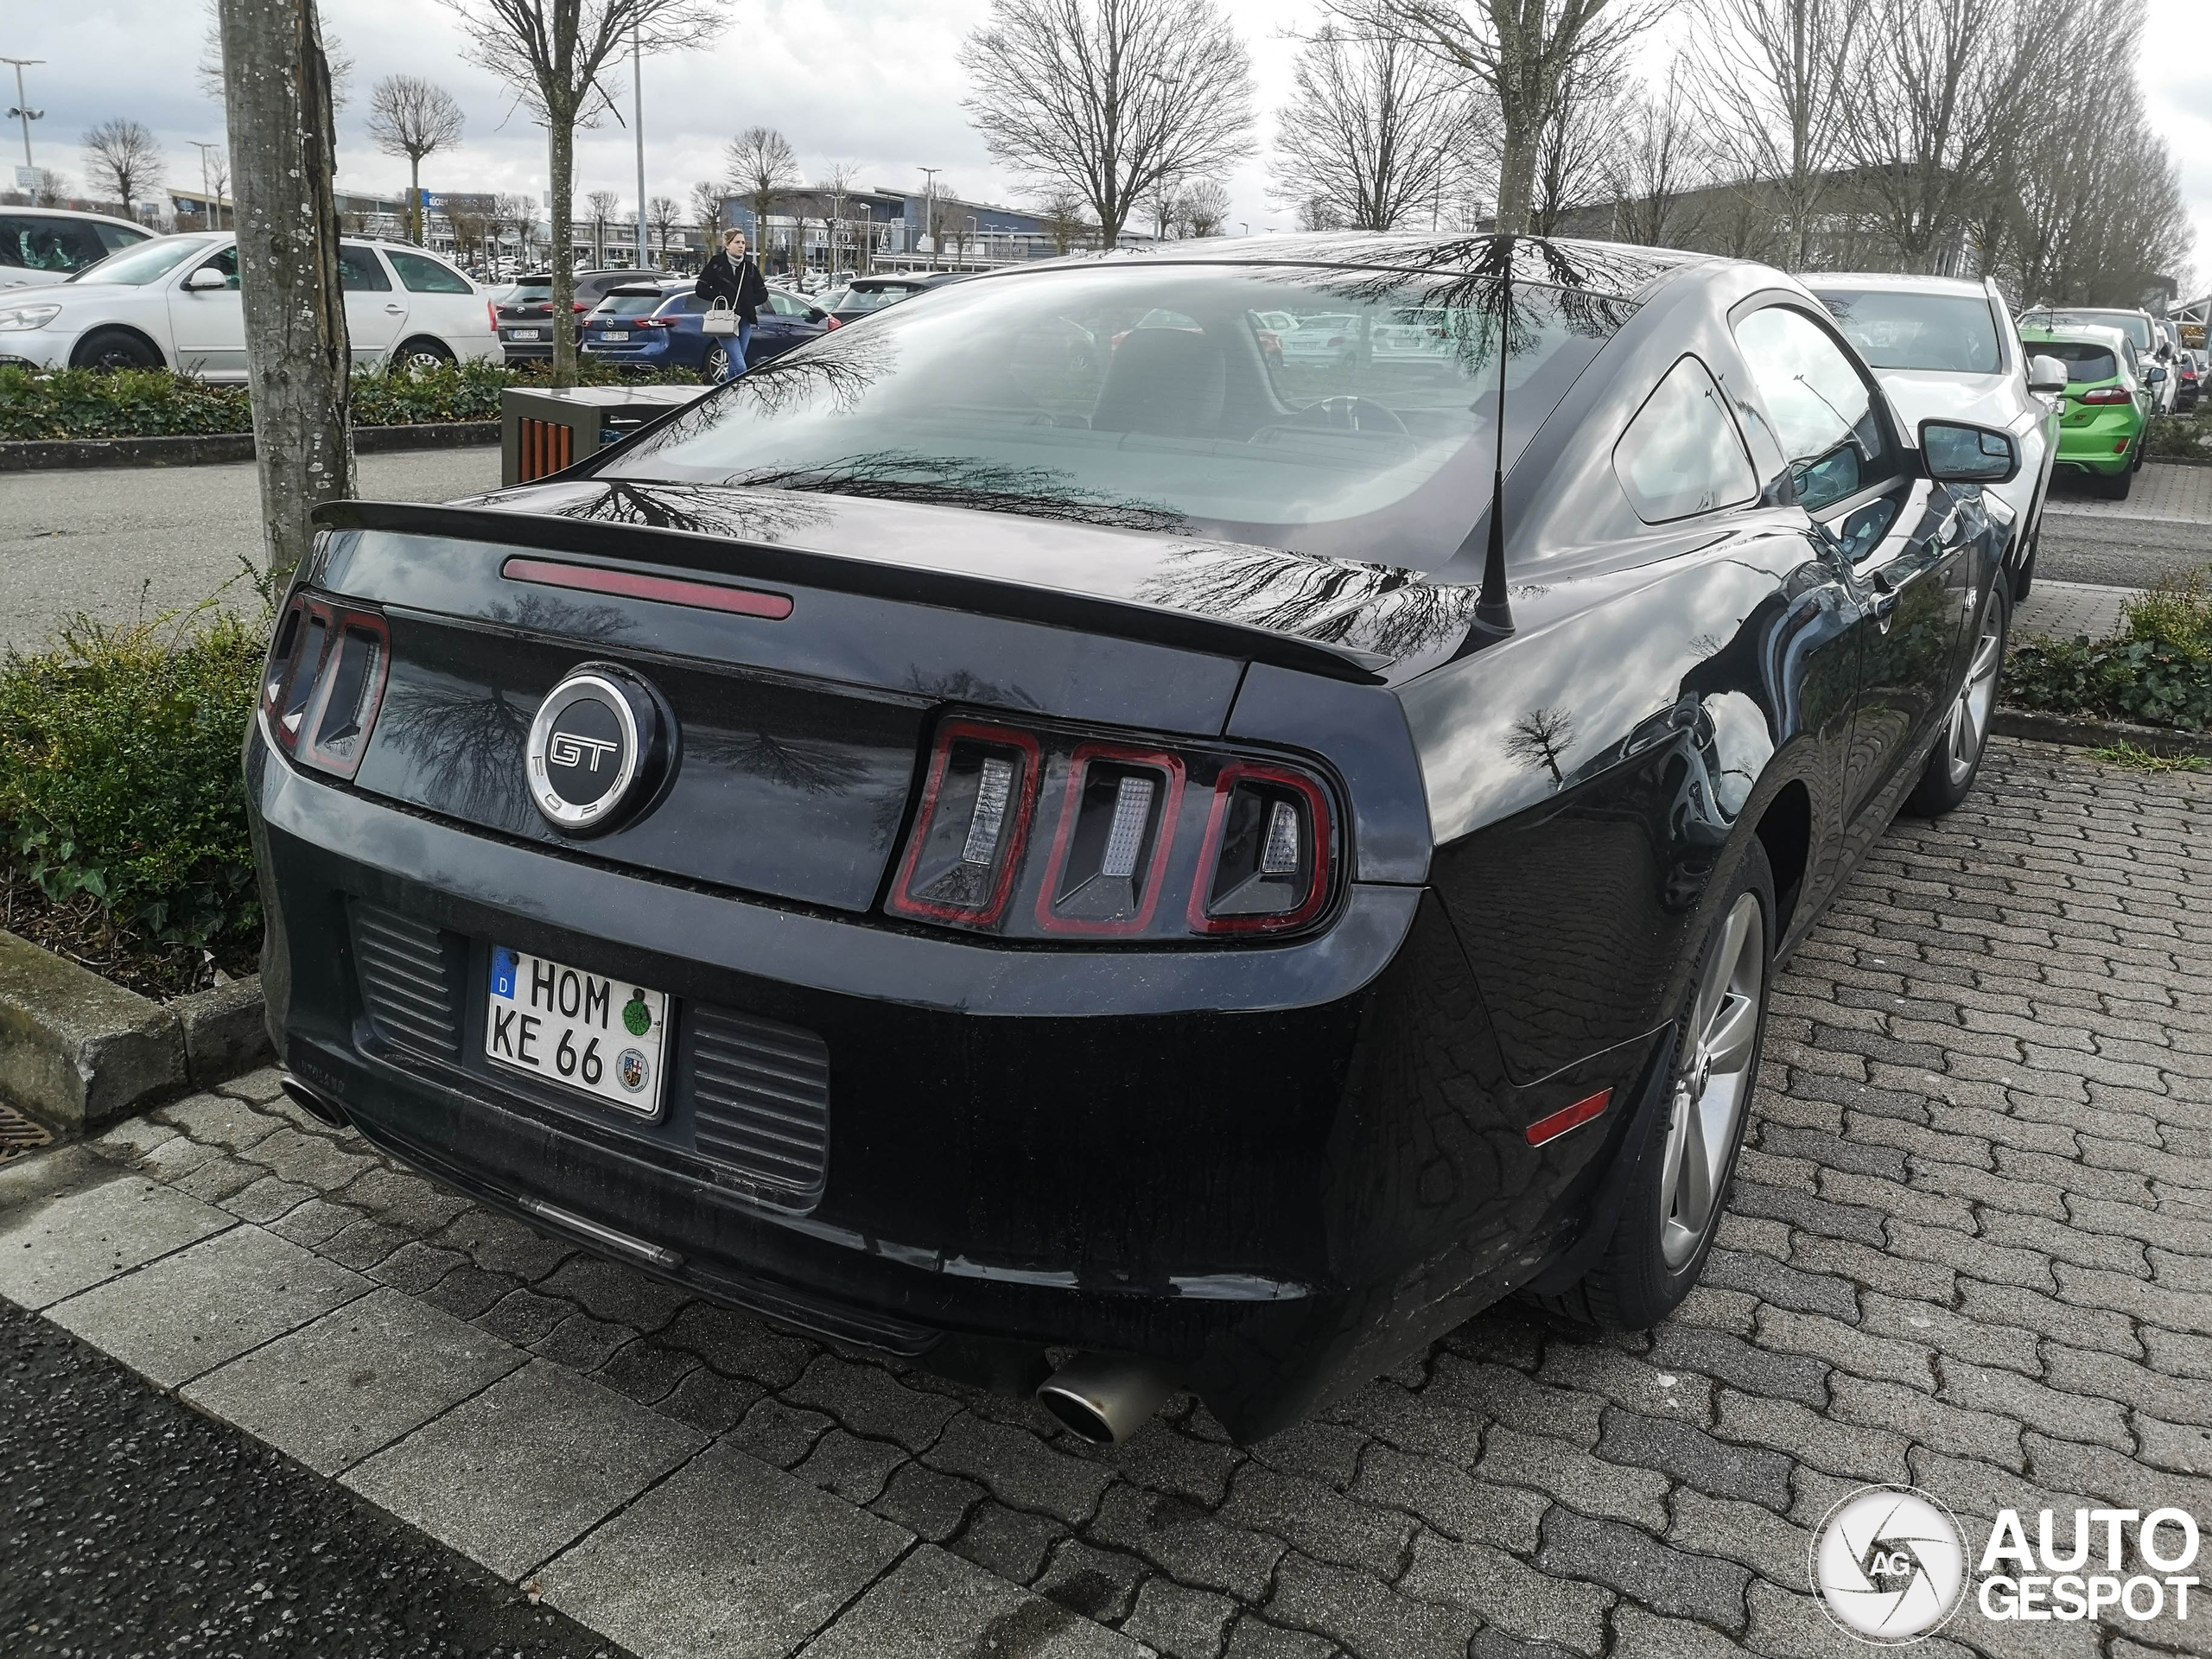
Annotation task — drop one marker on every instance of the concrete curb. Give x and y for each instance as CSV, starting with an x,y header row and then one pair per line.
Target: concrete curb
x,y
204,450
82,1052
2097,734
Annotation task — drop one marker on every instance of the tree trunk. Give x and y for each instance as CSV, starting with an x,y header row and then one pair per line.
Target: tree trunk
x,y
1516,173
277,95
563,256
415,214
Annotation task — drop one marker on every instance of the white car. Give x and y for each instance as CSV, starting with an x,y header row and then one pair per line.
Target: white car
x,y
173,302
40,246
1947,348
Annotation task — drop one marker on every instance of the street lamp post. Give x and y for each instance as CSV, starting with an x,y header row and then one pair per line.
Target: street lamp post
x,y
206,195
930,202
23,111
637,103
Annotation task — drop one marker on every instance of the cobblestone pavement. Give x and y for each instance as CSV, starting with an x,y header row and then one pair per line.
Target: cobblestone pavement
x,y
2063,609
2162,490
1971,1248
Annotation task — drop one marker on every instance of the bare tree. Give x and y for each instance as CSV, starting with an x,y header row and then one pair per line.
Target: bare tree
x,y
413,117
1773,78
1578,142
707,198
1163,204
1374,126
1109,98
49,188
218,182
835,193
553,52
1205,208
1062,213
1522,52
1932,112
762,168
283,142
602,204
122,156
1658,157
469,232
1320,213
517,214
663,215
209,70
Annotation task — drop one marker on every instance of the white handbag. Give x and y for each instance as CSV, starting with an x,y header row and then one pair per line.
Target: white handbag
x,y
721,319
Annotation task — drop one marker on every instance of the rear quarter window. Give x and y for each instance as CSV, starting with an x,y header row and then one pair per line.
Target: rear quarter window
x,y
1682,455
420,274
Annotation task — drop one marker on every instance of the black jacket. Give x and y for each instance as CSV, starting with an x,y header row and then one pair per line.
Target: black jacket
x,y
740,285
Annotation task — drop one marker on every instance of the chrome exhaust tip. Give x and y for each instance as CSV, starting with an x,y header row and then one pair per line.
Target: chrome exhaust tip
x,y
312,1102
1104,1397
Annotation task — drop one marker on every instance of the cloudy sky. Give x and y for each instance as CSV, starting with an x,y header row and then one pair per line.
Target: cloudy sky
x,y
874,82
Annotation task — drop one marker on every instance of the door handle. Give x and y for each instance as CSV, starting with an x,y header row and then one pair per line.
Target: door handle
x,y
1887,596
397,310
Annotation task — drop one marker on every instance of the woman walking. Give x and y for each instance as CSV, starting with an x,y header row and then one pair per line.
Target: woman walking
x,y
733,278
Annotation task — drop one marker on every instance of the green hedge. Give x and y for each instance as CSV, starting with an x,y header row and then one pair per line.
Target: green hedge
x,y
121,799
2179,435
2156,670
152,403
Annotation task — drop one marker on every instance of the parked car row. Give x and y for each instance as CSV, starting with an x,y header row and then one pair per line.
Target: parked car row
x,y
648,326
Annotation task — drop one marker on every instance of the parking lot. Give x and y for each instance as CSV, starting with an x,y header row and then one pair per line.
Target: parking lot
x,y
1971,1249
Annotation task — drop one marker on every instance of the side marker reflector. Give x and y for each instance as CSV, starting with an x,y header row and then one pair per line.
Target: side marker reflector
x,y
1571,1117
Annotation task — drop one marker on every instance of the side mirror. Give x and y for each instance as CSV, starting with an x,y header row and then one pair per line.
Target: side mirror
x,y
2046,374
1958,453
205,280
2156,377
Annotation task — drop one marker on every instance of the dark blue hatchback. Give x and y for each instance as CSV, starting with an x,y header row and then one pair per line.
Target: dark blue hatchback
x,y
657,326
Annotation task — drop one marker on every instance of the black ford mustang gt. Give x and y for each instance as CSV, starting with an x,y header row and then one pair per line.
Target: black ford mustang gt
x,y
1218,810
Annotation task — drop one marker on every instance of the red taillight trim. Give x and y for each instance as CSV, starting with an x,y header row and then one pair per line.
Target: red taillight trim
x,y
1571,1117
661,590
2105,397
1071,799
833,323
899,903
333,654
1224,788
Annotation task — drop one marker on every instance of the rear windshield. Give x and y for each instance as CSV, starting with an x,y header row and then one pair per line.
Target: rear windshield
x,y
875,299
1951,332
630,305
531,294
1161,397
2085,361
148,262
2133,324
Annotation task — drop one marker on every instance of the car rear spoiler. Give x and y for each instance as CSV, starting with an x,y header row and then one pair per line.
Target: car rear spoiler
x,y
801,567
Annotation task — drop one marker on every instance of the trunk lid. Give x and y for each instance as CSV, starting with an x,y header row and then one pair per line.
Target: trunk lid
x,y
803,735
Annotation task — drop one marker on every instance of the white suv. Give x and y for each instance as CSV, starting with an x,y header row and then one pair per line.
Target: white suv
x,y
40,246
1947,348
173,302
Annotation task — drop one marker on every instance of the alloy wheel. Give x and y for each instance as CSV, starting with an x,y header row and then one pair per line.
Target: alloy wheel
x,y
1714,1087
1969,727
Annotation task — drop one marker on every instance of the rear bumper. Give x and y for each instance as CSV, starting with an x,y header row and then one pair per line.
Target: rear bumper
x,y
2105,444
1269,1169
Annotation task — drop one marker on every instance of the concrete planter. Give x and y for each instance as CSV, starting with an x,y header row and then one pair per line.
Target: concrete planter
x,y
203,450
80,1051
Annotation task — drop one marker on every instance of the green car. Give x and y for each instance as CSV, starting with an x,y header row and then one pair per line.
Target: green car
x,y
2108,402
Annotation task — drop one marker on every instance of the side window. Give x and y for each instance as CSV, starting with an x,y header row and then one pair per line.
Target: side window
x,y
783,305
115,238
421,274
50,245
359,272
1823,412
1681,454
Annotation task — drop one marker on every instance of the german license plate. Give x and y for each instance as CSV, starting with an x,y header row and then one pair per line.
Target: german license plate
x,y
602,1036
616,333
524,334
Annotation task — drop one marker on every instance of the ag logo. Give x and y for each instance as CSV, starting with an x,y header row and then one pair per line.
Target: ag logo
x,y
1889,1564
600,748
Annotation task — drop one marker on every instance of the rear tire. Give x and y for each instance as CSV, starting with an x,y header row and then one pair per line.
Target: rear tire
x,y
2115,487
421,352
1957,759
108,349
1679,1190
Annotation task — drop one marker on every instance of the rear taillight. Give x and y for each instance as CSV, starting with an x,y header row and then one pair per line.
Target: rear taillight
x,y
2106,395
654,322
833,323
1034,832
492,310
327,668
